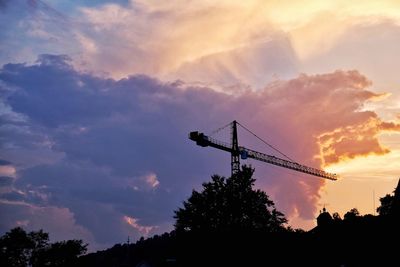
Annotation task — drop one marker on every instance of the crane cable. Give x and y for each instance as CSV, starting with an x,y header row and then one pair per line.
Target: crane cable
x,y
265,142
219,129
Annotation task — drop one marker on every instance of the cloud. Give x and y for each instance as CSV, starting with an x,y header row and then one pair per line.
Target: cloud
x,y
246,41
339,144
31,27
58,221
151,180
92,140
145,182
4,162
160,29
252,42
7,170
370,47
253,64
144,230
109,148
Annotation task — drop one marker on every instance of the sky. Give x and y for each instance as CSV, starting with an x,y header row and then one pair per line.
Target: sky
x,y
97,99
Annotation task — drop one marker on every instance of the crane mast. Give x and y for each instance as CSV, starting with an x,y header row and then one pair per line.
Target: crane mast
x,y
235,161
238,152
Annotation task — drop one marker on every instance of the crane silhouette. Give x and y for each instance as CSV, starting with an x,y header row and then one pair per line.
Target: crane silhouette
x,y
239,152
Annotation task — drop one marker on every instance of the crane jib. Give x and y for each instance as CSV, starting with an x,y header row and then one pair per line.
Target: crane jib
x,y
203,140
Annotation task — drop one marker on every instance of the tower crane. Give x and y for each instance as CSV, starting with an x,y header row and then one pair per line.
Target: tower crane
x,y
239,152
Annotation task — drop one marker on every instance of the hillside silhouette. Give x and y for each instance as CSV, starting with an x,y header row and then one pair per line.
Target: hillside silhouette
x,y
229,223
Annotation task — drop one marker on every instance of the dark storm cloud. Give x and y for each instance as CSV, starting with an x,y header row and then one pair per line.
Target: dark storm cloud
x,y
6,181
4,162
112,134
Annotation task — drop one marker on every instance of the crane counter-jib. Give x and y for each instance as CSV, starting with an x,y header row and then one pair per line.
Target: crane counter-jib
x,y
203,140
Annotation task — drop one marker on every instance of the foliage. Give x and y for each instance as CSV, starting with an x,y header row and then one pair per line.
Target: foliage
x,y
20,249
15,248
229,204
390,203
386,204
352,214
62,253
336,216
341,241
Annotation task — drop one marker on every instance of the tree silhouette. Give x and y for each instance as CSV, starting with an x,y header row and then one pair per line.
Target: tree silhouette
x,y
15,248
20,249
386,204
352,214
336,217
390,204
40,241
229,204
64,253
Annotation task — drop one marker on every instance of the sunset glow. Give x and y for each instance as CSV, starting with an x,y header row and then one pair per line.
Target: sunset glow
x,y
97,99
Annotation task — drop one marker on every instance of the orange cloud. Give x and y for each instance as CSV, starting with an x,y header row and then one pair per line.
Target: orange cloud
x,y
355,140
389,126
7,170
144,230
318,120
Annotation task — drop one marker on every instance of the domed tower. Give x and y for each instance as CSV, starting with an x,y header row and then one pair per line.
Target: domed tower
x,y
324,218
